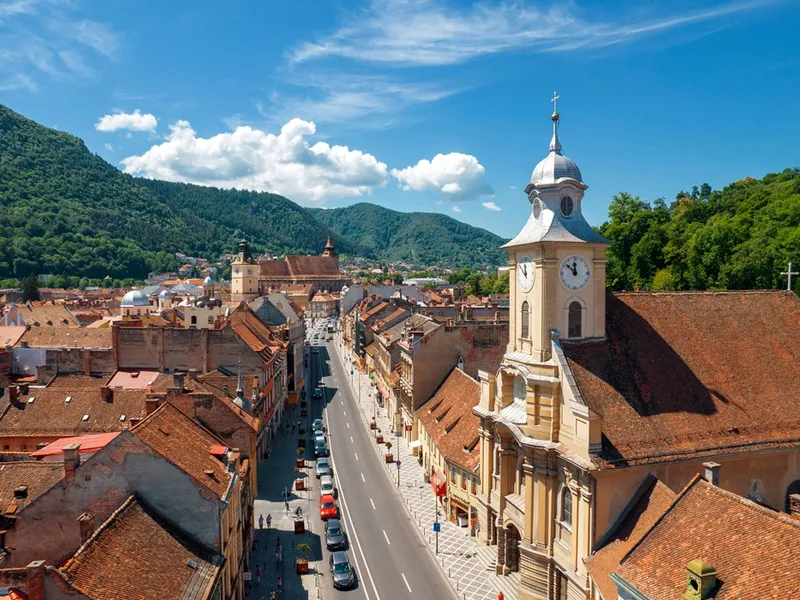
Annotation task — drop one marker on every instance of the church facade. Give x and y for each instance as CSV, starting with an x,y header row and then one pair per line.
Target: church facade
x,y
252,278
597,392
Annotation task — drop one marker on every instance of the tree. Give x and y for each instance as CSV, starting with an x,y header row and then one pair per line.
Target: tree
x,y
30,289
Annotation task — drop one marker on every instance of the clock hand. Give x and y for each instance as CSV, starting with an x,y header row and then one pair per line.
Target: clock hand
x,y
524,270
574,268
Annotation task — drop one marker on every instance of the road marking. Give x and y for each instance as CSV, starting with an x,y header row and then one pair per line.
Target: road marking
x,y
348,425
362,478
341,402
373,504
356,455
345,412
387,537
406,580
351,440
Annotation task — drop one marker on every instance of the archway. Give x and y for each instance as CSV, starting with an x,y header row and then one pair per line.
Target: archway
x,y
512,539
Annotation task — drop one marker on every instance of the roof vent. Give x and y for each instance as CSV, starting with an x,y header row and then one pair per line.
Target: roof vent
x,y
192,563
68,399
31,399
122,418
85,418
21,492
701,580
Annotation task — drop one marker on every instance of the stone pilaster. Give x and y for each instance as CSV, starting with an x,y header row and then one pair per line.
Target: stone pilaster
x,y
534,573
501,551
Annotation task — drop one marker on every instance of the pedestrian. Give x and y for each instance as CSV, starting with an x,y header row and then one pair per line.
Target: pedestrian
x,y
280,583
261,521
269,521
278,559
255,545
278,543
258,575
273,595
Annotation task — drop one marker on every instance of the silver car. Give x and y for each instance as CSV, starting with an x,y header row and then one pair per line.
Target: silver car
x,y
342,572
323,467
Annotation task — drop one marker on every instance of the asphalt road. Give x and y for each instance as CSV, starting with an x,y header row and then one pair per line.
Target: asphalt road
x,y
390,558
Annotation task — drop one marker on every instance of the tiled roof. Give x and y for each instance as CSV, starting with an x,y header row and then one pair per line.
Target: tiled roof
x,y
38,314
755,551
51,415
137,554
448,419
67,337
273,268
648,505
370,350
10,335
37,476
65,381
373,311
186,444
253,332
393,316
132,379
87,444
310,266
683,375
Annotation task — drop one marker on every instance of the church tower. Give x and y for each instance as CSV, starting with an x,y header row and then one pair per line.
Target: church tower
x,y
557,262
244,275
330,251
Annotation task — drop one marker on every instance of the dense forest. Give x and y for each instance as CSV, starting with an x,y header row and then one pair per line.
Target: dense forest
x,y
421,238
65,211
740,237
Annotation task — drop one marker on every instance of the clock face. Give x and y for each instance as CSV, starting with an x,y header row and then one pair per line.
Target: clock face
x,y
249,271
575,273
525,273
236,271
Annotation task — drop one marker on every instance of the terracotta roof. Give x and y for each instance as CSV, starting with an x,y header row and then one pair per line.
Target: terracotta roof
x,y
373,311
756,551
370,350
138,554
132,379
186,444
67,337
300,266
448,419
648,505
88,444
254,333
273,268
76,381
388,319
298,289
683,375
37,476
51,415
38,314
10,335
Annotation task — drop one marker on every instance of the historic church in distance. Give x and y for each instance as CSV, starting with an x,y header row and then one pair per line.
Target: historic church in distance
x,y
605,404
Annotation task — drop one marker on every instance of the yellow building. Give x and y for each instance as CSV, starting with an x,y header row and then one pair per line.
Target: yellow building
x,y
596,392
244,275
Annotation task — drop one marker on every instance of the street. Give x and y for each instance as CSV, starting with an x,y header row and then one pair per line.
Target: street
x,y
390,557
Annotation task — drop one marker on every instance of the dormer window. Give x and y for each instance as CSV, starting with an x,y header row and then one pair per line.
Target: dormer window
x,y
566,205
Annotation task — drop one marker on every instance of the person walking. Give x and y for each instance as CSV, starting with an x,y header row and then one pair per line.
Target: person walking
x,y
280,583
261,521
258,576
269,521
278,558
273,595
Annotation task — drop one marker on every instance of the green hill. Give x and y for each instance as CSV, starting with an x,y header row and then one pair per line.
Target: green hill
x,y
424,238
64,210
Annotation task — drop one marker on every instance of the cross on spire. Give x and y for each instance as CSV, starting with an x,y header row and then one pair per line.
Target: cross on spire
x,y
555,102
788,272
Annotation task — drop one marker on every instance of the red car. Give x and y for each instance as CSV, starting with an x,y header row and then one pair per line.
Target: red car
x,y
328,508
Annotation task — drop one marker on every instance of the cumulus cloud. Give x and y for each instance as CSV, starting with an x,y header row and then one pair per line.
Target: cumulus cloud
x,y
491,206
247,158
134,121
455,175
456,208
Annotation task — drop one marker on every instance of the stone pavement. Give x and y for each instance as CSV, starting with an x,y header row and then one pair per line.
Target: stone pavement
x,y
458,552
275,476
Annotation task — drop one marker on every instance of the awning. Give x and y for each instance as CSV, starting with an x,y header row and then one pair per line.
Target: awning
x,y
439,485
415,444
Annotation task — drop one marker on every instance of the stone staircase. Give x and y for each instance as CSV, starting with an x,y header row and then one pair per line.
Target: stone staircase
x,y
487,556
508,584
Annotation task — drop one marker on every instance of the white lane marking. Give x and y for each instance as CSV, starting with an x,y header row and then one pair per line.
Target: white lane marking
x,y
348,425
351,440
345,412
341,402
406,580
355,535
373,504
356,455
387,537
362,478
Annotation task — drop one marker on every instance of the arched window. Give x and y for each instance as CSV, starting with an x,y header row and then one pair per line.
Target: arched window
x,y
194,320
566,507
575,318
524,321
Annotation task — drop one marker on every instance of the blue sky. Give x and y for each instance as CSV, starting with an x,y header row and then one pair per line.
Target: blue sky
x,y
430,105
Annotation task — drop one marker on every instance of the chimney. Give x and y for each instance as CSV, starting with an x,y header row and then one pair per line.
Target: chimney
x,y
24,388
106,394
13,393
21,492
177,381
86,526
794,505
24,344
701,580
72,459
712,472
151,403
35,579
193,374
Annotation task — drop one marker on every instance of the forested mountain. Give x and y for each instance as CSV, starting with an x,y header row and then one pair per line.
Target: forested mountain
x,y
424,238
740,237
64,210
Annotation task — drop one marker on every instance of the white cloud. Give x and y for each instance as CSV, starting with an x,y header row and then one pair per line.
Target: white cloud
x,y
109,147
491,206
18,82
456,208
96,36
438,32
135,121
455,175
248,158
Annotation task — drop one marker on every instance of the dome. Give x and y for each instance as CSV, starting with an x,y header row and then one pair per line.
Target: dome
x,y
135,298
208,282
166,294
553,167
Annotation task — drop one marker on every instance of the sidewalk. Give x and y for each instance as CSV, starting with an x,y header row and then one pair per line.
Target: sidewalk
x,y
457,555
275,475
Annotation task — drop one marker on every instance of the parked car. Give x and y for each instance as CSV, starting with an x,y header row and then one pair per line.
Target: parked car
x,y
317,425
316,351
320,448
335,537
317,393
319,436
342,573
326,486
323,467
327,507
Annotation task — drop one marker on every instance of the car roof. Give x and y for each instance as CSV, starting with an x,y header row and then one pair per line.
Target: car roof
x,y
333,523
322,460
327,498
339,557
326,479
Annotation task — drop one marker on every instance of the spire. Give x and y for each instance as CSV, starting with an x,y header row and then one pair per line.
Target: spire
x,y
555,145
330,250
330,243
240,387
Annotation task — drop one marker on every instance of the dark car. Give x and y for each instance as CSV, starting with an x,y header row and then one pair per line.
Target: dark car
x,y
317,393
341,571
335,538
317,425
320,448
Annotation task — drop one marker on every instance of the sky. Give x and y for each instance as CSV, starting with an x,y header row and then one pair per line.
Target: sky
x,y
416,105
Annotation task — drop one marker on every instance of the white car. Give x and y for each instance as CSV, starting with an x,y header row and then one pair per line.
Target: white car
x,y
326,485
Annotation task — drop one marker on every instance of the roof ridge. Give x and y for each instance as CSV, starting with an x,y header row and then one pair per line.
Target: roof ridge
x,y
774,514
699,292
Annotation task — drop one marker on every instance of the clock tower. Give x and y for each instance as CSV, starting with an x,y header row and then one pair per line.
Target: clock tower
x,y
557,262
244,275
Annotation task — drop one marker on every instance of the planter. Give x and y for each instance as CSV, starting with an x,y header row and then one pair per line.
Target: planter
x,y
303,413
301,463
303,404
301,566
299,484
301,442
379,439
299,526
372,425
389,458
